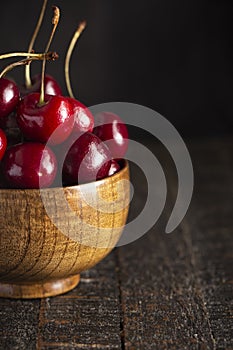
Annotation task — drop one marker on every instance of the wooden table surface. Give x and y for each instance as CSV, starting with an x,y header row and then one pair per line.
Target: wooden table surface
x,y
162,291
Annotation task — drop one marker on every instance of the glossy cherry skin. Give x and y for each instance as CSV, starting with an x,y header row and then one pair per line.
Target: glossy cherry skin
x,y
51,86
3,143
52,122
9,97
87,160
109,127
114,167
29,165
83,118
83,122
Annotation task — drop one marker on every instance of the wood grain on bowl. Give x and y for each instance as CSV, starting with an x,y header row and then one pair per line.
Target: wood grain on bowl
x,y
48,237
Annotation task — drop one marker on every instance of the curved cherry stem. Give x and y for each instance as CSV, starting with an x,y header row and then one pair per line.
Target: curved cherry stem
x,y
76,35
28,82
55,21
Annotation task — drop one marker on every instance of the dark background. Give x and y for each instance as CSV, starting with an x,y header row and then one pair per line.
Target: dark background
x,y
175,57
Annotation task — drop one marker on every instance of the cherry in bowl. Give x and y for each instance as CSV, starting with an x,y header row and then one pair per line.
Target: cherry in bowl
x,y
9,97
3,143
87,160
50,122
29,165
110,127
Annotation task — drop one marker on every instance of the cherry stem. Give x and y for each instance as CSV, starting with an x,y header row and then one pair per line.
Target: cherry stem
x,y
55,21
22,54
28,82
76,35
47,56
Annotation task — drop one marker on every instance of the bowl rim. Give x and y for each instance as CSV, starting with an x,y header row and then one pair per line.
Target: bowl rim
x,y
124,168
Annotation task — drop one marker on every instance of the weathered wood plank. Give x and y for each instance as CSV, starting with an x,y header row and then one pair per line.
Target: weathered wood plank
x,y
18,324
87,317
214,230
167,300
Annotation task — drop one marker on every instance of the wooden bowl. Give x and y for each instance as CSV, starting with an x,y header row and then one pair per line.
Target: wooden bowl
x,y
49,236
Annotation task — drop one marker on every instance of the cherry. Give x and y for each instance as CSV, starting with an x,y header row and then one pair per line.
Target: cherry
x,y
87,160
110,127
9,96
114,167
83,118
51,86
3,143
9,93
53,117
83,122
29,165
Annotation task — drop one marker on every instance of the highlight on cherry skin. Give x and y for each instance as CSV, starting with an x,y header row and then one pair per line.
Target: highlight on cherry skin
x,y
110,127
3,143
9,97
29,165
83,118
53,117
88,159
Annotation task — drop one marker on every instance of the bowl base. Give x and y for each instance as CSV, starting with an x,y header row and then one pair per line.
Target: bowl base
x,y
38,290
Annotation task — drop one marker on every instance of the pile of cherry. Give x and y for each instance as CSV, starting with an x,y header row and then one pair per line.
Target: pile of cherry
x,y
60,137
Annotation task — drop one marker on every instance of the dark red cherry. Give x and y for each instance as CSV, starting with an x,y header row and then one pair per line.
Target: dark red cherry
x,y
51,122
29,165
109,127
83,122
3,143
114,167
83,118
9,97
87,160
51,86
